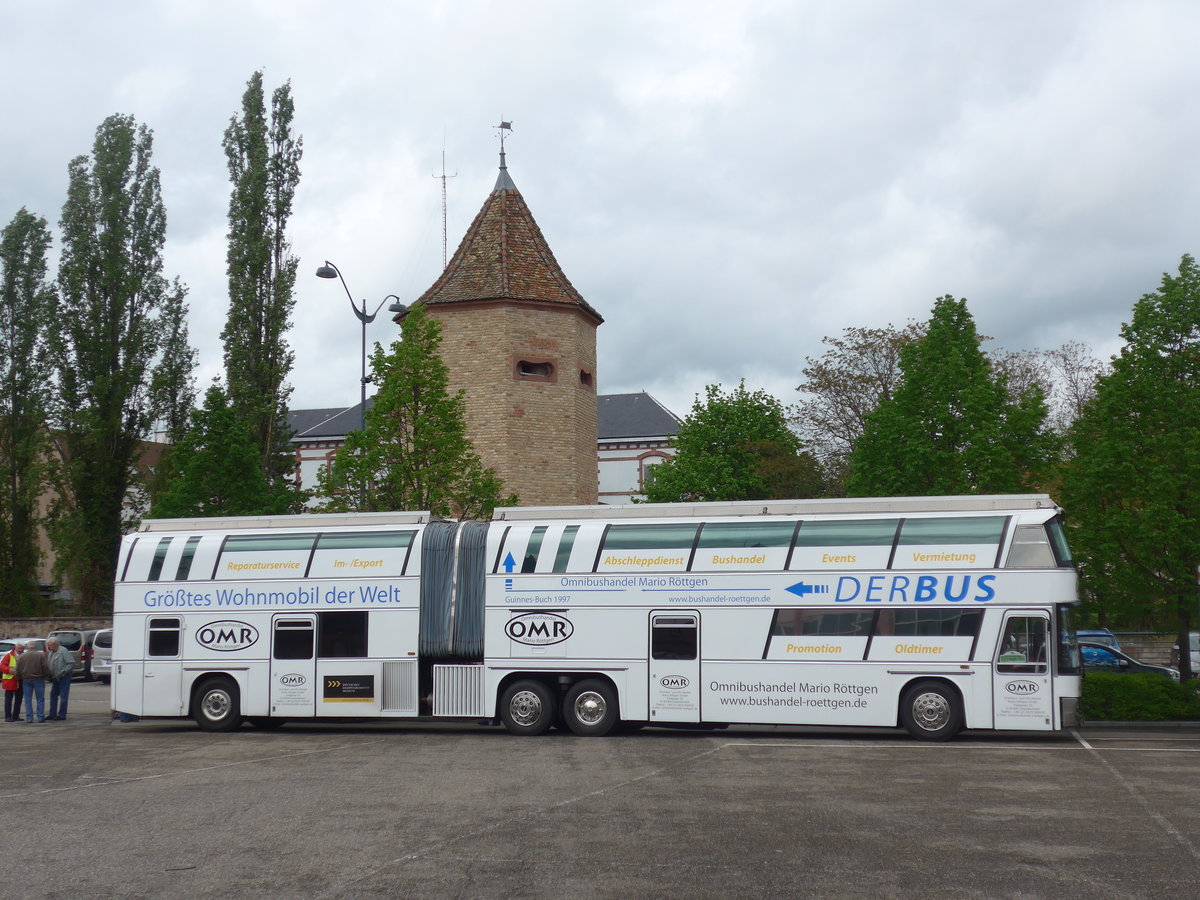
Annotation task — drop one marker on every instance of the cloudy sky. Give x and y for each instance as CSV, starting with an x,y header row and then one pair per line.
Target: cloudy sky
x,y
726,182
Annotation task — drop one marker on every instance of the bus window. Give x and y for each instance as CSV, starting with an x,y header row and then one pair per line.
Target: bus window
x,y
1023,646
930,622
646,548
264,556
293,639
822,622
373,553
160,554
533,548
673,637
958,542
185,559
844,544
163,638
565,543
342,634
743,545
1030,549
1058,540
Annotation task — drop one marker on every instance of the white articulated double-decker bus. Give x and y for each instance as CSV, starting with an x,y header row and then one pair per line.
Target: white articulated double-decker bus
x,y
933,613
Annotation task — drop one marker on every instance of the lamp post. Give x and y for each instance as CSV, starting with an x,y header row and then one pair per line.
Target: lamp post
x,y
329,270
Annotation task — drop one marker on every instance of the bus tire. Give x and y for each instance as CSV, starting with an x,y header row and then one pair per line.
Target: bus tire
x,y
590,708
216,705
931,711
527,708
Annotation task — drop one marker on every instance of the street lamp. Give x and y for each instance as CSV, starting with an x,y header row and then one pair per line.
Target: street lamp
x,y
329,270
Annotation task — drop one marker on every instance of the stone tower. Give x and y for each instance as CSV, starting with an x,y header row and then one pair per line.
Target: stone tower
x,y
521,341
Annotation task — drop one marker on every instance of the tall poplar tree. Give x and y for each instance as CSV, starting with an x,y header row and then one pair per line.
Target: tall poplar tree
x,y
264,168
950,426
414,453
119,346
25,305
1132,486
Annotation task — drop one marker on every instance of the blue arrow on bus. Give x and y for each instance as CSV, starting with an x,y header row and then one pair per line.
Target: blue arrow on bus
x,y
509,563
800,589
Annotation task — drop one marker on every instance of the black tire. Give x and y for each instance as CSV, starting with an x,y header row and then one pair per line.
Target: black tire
x,y
527,708
931,711
216,705
590,708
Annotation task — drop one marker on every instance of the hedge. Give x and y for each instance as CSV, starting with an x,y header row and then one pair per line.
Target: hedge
x,y
1144,697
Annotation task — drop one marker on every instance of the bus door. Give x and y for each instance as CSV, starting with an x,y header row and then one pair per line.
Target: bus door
x,y
293,665
1022,694
674,666
162,671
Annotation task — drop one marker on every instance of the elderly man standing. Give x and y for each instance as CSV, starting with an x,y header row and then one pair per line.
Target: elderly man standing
x,y
11,684
33,670
61,662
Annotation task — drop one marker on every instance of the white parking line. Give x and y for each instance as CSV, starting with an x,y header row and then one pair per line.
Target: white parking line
x,y
1137,796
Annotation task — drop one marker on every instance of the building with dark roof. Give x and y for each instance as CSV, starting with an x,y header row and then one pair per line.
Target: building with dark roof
x,y
520,340
634,433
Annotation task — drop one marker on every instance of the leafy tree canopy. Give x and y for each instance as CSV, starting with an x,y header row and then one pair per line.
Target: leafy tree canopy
x,y
414,453
214,469
1132,488
734,446
950,426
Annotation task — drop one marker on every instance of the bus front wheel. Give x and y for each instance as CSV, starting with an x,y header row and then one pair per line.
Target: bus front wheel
x,y
216,706
930,711
590,708
527,708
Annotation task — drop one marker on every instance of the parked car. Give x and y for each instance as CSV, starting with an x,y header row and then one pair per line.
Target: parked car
x,y
1102,658
1194,647
102,655
80,644
7,644
1098,636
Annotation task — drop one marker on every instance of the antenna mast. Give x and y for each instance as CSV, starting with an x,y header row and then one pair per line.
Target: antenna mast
x,y
443,177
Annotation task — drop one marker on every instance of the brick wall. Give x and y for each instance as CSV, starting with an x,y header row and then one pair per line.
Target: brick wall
x,y
538,433
42,627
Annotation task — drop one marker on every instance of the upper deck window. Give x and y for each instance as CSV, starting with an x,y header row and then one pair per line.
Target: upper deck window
x,y
648,548
844,544
949,542
264,556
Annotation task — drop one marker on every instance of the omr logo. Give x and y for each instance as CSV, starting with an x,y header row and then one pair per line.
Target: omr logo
x,y
226,636
674,682
539,629
294,680
1022,687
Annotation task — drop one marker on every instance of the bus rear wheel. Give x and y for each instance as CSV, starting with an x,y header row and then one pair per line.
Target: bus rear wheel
x,y
527,708
590,708
930,711
216,706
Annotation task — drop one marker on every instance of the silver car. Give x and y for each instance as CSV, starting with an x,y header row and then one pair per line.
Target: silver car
x,y
102,655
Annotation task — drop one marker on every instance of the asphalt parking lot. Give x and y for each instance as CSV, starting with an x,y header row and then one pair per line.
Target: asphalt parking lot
x,y
159,809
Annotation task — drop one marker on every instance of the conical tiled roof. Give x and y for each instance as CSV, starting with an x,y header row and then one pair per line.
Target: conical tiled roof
x,y
504,256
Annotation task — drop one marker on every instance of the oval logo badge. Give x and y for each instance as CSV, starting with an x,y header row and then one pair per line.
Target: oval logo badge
x,y
1021,687
539,629
294,680
227,636
674,682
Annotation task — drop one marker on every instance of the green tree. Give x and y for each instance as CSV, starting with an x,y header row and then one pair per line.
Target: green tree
x,y
215,469
25,304
734,446
950,426
414,453
1132,487
264,168
119,348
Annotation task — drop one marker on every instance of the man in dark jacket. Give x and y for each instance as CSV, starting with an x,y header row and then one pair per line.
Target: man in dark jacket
x,y
33,670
